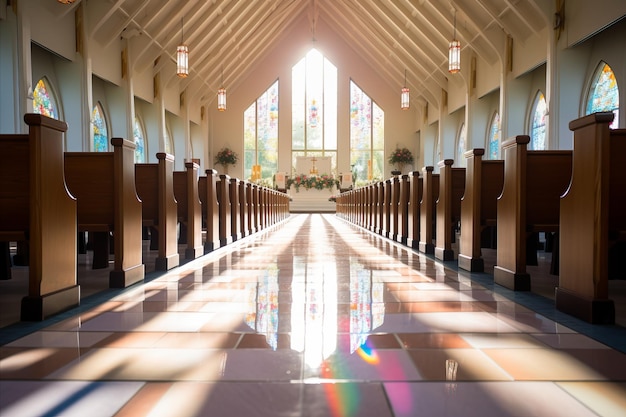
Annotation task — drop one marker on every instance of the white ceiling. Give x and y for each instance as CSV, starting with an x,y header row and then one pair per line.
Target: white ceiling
x,y
227,37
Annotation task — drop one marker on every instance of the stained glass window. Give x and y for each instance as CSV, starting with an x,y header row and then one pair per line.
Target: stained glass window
x,y
314,108
494,137
604,94
140,142
538,128
460,148
367,137
43,100
260,134
100,134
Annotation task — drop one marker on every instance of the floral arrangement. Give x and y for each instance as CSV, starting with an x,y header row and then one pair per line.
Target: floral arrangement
x,y
401,156
312,181
226,157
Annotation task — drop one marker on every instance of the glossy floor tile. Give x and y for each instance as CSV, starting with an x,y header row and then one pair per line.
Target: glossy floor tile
x,y
314,317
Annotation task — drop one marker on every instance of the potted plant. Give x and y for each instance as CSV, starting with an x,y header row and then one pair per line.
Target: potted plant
x,y
399,158
226,157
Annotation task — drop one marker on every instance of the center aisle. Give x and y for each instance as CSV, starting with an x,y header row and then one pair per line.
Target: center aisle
x,y
314,317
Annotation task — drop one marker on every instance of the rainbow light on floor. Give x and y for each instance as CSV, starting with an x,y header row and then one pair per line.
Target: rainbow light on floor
x,y
368,354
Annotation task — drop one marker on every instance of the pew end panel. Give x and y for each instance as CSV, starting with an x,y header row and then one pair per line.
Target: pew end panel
x,y
530,201
510,268
428,212
415,196
128,264
483,186
584,223
104,185
186,192
47,218
448,208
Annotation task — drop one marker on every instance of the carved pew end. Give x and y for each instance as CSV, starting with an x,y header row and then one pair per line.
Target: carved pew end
x,y
594,311
41,307
511,280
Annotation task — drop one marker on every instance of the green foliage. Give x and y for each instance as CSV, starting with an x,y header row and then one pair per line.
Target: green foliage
x,y
226,157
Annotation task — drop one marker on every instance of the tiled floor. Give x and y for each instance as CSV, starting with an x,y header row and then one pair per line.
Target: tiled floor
x,y
315,317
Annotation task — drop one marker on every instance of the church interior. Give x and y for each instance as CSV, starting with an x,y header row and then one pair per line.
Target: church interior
x,y
325,208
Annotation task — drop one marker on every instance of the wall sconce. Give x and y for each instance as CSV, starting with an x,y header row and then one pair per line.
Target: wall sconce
x,y
182,55
454,56
404,97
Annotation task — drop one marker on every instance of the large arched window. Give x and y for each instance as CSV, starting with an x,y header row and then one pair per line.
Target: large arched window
x,y
460,147
260,134
43,99
538,125
367,135
100,132
140,141
314,109
493,139
604,94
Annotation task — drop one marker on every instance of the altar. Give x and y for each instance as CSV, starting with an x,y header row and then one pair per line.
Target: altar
x,y
310,199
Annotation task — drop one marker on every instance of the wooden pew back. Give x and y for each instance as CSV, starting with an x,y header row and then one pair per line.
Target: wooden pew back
x,y
14,187
617,183
548,174
89,179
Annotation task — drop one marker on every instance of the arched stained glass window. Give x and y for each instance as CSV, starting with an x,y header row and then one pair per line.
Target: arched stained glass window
x,y
43,99
367,135
260,134
538,128
314,108
493,139
604,93
99,126
140,142
460,148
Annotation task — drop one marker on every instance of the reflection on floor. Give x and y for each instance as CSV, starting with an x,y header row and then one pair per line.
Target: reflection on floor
x,y
314,317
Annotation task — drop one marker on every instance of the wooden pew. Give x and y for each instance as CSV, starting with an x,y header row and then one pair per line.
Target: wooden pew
x,y
533,184
235,209
451,189
394,207
403,210
593,219
104,186
413,209
223,198
243,208
208,187
380,205
428,214
186,191
250,190
155,188
256,204
483,186
35,206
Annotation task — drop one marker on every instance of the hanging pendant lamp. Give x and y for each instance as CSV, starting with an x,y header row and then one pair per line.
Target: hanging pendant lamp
x,y
221,95
454,54
182,55
404,97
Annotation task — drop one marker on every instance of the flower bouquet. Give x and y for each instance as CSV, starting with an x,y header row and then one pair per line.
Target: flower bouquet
x,y
400,157
226,157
